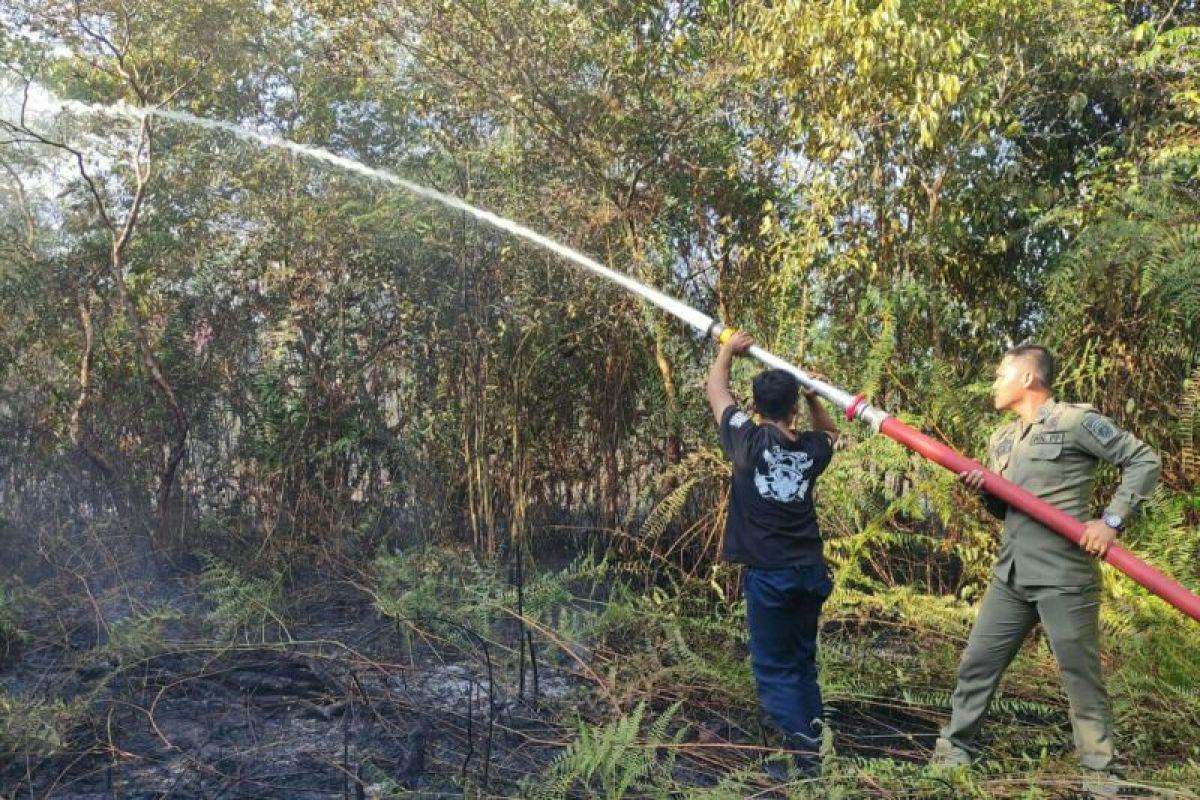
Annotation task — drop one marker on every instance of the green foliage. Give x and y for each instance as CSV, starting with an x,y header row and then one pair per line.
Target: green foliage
x,y
685,524
38,727
1128,286
1172,275
141,635
1166,532
892,519
442,590
667,511
615,760
449,594
1154,684
242,606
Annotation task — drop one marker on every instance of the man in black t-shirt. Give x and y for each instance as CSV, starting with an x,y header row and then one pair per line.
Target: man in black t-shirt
x,y
771,528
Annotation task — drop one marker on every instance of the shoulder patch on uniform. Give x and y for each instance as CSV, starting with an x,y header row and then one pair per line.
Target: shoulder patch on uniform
x,y
738,419
1100,427
1004,446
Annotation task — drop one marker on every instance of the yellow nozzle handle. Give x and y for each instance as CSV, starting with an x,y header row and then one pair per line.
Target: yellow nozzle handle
x,y
726,334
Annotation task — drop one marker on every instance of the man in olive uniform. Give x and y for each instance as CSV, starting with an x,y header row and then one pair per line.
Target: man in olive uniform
x,y
1052,451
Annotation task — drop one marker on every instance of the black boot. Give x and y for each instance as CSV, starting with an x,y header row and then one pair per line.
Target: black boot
x,y
800,759
806,753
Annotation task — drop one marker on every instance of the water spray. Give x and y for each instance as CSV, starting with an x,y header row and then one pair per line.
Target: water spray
x,y
855,407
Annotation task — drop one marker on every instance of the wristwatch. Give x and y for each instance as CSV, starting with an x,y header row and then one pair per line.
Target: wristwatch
x,y
1112,520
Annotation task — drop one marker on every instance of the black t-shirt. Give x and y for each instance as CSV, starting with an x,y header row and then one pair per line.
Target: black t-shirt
x,y
772,522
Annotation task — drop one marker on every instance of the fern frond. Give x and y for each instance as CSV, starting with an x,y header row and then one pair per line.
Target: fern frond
x,y
666,512
1189,418
614,761
240,604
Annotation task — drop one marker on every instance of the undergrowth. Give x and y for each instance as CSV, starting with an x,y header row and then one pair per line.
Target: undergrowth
x,y
672,654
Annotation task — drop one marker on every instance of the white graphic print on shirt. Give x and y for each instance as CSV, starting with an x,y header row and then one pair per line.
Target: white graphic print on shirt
x,y
784,479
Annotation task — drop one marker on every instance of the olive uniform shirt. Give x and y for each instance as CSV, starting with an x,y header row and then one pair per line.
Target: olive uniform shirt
x,y
1055,459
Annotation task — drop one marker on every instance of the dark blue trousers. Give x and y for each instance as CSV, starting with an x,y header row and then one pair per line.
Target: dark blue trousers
x,y
782,609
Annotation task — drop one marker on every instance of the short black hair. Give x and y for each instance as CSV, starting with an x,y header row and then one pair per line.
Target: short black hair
x,y
1040,358
775,393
